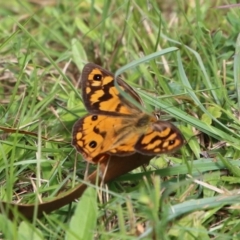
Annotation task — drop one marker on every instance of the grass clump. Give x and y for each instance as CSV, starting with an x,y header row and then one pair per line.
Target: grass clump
x,y
193,78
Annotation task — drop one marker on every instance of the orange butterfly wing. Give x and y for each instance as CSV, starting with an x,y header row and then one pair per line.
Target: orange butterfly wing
x,y
94,135
100,95
161,137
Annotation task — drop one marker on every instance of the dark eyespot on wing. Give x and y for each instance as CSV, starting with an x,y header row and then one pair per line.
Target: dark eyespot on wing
x,y
92,144
97,77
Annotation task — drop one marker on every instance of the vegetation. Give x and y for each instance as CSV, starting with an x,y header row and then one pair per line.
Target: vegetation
x,y
193,80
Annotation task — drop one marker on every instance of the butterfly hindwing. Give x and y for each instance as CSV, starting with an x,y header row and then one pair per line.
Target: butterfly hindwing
x,y
161,137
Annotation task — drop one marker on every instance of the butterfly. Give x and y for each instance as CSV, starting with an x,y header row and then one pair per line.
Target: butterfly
x,y
115,125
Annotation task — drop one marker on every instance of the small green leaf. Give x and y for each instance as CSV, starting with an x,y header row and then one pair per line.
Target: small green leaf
x,y
27,231
84,221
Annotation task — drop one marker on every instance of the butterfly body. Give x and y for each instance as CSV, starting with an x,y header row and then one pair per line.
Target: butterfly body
x,y
115,125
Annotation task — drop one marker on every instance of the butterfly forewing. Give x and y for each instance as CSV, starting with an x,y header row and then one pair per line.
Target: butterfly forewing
x,y
100,95
97,134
